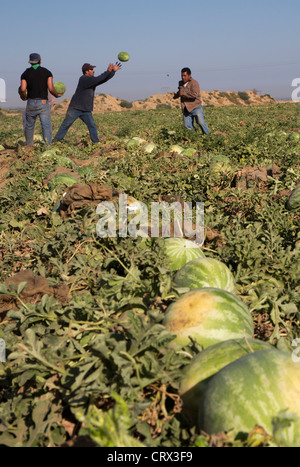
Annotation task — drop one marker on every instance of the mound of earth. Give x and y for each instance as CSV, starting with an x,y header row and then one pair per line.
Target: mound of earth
x,y
106,103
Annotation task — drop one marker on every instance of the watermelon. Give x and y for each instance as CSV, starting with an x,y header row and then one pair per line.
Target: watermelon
x,y
86,172
207,363
131,144
208,315
293,201
180,251
19,91
219,163
294,136
63,161
135,142
277,135
257,389
176,148
38,138
123,57
188,152
139,140
50,153
53,156
60,88
62,179
205,272
149,147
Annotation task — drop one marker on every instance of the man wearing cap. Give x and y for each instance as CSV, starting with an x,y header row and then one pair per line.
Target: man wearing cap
x,y
36,81
82,102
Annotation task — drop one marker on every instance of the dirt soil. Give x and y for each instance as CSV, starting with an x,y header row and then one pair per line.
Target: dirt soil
x,y
7,158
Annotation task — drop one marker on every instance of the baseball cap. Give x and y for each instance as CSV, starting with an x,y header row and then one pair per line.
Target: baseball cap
x,y
34,59
87,66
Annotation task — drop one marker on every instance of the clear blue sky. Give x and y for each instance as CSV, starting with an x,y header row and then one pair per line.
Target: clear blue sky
x,y
229,45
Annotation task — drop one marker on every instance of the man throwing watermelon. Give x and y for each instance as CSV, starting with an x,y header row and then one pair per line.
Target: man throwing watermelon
x,y
82,102
191,102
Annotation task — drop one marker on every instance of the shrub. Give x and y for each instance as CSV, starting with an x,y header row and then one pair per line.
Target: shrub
x,y
244,96
164,106
126,104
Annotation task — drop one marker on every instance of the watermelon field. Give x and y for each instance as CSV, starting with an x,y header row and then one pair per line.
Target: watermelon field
x,y
124,341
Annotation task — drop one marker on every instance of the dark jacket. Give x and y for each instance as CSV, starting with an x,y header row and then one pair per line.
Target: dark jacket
x,y
83,98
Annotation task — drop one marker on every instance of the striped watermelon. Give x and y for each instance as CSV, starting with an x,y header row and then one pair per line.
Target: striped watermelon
x,y
208,315
293,201
123,56
253,390
207,363
180,251
205,272
54,156
219,163
62,179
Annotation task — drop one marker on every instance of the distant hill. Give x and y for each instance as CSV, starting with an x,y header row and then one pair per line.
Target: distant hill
x,y
106,103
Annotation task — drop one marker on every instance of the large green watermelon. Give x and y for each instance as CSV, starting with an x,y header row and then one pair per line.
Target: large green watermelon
x,y
254,390
59,87
205,272
208,315
62,179
180,251
135,142
293,201
206,364
219,163
54,156
123,57
188,152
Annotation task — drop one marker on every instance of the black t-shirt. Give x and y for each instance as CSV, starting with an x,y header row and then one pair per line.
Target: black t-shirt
x,y
37,87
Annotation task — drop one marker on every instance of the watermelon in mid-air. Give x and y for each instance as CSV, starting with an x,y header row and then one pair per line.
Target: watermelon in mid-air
x,y
60,88
123,57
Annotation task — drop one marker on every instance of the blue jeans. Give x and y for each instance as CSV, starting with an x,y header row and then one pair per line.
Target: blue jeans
x,y
71,116
38,108
196,115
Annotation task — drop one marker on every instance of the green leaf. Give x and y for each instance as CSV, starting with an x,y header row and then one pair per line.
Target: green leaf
x,y
21,287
